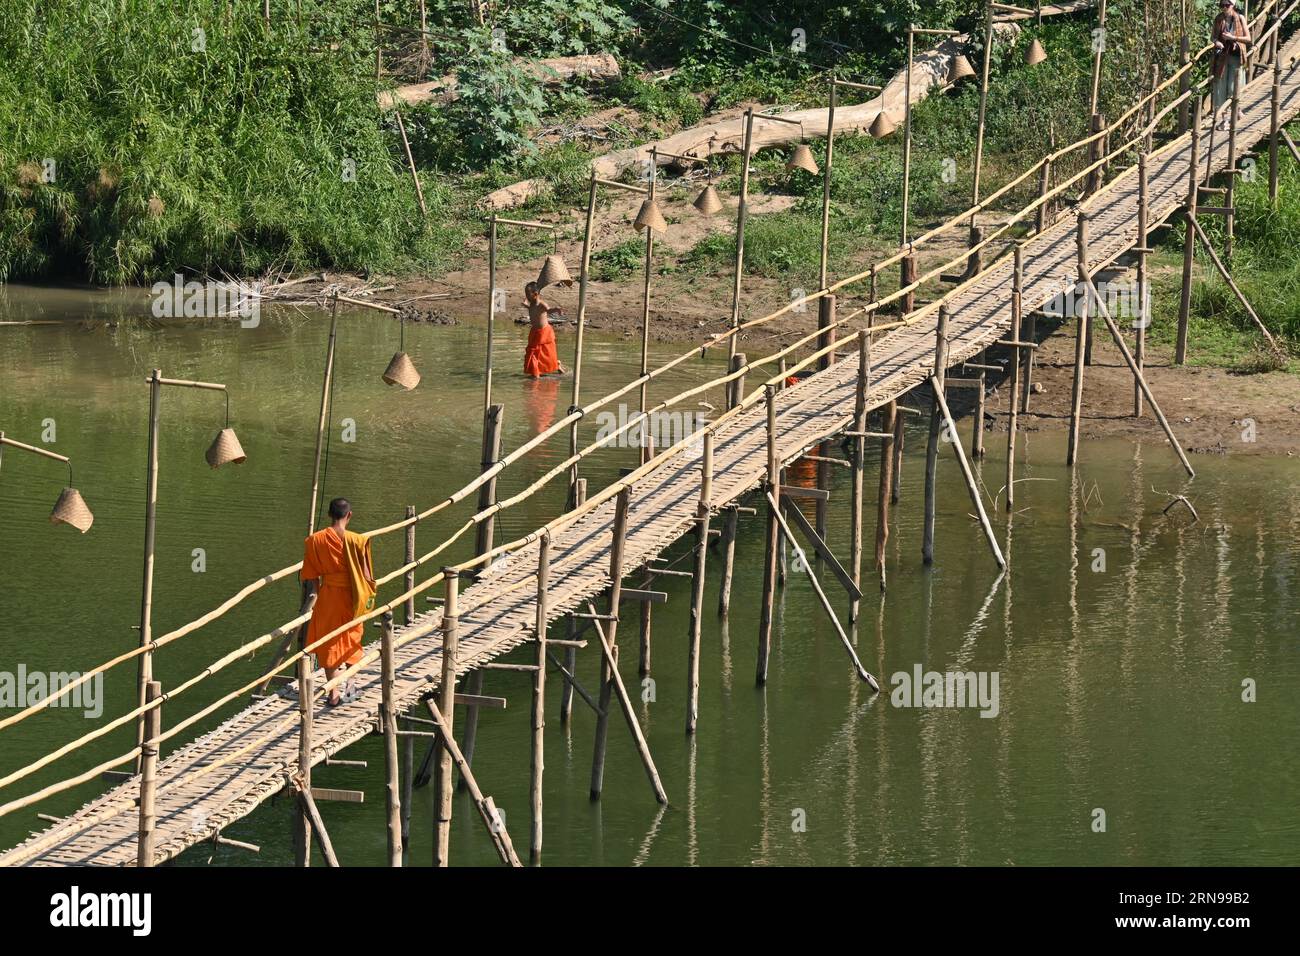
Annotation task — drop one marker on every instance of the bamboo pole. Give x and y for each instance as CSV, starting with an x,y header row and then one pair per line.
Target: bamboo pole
x,y
1227,277
409,557
1184,81
984,102
1189,241
702,512
772,545
609,664
1080,341
646,623
580,323
490,453
487,810
896,478
538,761
728,547
890,425
1231,172
148,776
932,447
301,823
388,712
977,426
1143,281
1274,125
318,827
144,669
447,693
826,187
1044,184
966,473
410,164
571,650
323,420
1017,353
408,790
907,139
1095,95
741,211
492,318
645,292
826,322
1128,359
857,461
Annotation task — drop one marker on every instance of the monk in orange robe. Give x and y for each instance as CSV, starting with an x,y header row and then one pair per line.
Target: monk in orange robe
x,y
541,357
337,563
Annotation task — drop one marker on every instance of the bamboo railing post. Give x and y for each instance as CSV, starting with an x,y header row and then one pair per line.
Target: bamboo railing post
x,y
1274,125
570,650
148,774
826,189
645,630
539,698
702,513
932,447
728,548
984,102
617,543
1081,334
826,321
896,479
408,610
580,323
907,143
645,291
1143,281
772,543
1044,187
857,461
388,714
490,454
977,426
144,669
886,483
1095,151
975,261
491,319
1017,353
1185,111
301,823
1095,96
1148,142
736,388
1231,172
408,789
323,421
1189,242
442,779
742,208
907,277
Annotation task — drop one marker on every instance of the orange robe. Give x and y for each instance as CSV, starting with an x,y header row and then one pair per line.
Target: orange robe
x,y
325,557
541,358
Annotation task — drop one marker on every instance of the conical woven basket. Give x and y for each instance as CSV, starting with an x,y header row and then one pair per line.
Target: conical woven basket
x,y
554,272
1035,54
882,126
649,217
225,449
71,509
401,371
708,202
802,158
960,69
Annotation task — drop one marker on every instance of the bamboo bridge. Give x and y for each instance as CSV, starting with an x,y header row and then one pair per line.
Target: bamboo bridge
x,y
562,570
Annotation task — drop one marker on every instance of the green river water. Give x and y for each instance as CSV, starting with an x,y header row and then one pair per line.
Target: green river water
x,y
1120,689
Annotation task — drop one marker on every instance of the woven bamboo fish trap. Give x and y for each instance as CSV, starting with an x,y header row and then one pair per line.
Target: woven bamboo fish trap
x,y
225,449
71,509
401,371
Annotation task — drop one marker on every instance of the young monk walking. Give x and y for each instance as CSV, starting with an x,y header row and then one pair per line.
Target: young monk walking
x,y
337,564
541,357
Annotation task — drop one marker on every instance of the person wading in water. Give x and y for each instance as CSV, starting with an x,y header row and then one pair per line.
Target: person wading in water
x,y
541,357
337,565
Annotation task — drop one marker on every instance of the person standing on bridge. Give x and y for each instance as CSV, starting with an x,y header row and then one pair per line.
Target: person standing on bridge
x,y
337,564
541,357
1231,38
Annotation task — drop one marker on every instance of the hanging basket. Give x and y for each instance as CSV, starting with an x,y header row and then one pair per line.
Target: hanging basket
x,y
882,126
554,272
225,449
649,217
708,202
960,69
71,509
802,158
1035,54
401,371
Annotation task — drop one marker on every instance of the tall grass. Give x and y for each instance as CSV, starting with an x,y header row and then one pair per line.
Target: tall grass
x,y
175,149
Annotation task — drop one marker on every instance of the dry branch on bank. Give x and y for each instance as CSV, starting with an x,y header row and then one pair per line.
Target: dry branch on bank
x,y
553,71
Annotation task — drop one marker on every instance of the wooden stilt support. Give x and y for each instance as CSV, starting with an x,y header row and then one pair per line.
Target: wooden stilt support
x,y
974,261
486,809
388,715
896,480
1013,387
1274,125
697,585
966,473
570,651
609,664
1146,389
318,827
826,321
1189,242
408,789
977,426
302,825
539,699
1095,151
149,773
857,462
1231,173
1143,281
890,424
1236,290
728,547
610,654
447,693
932,448
408,609
773,533
489,454
863,673
908,301
644,634
1081,333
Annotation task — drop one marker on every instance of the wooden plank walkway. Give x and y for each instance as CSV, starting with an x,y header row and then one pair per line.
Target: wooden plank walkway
x,y
497,612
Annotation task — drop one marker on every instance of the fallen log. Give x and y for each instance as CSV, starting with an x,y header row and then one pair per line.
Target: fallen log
x,y
929,72
551,72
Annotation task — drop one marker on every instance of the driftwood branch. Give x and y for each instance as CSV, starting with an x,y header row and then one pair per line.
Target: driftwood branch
x,y
551,72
